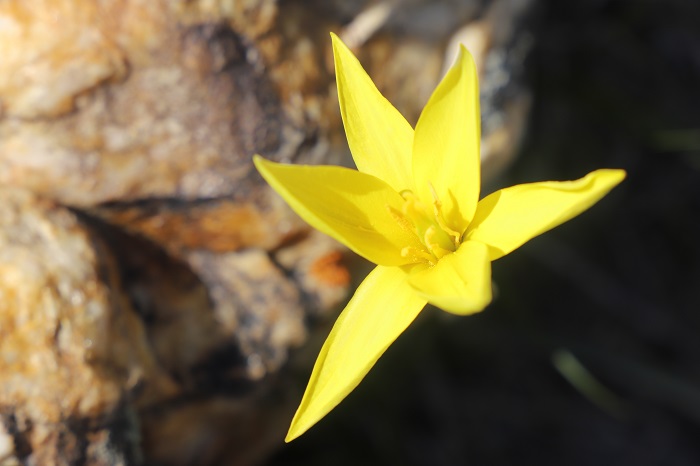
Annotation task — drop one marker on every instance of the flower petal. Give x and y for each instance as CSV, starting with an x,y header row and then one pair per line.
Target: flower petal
x,y
381,309
460,282
512,216
379,137
446,144
350,206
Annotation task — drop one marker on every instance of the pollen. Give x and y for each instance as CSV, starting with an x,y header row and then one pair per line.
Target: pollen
x,y
418,255
429,226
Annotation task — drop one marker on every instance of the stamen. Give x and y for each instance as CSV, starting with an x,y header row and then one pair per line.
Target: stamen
x,y
437,209
401,219
438,240
429,239
411,208
407,194
414,211
416,255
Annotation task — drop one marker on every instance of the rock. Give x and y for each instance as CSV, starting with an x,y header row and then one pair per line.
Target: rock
x,y
73,351
140,347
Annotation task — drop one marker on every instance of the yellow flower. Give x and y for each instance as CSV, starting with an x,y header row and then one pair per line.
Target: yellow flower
x,y
413,209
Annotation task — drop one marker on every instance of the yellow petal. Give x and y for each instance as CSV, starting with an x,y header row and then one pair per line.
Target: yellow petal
x,y
379,137
381,309
446,144
350,206
508,218
460,282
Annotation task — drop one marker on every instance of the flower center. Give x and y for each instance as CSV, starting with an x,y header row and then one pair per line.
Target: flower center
x,y
428,225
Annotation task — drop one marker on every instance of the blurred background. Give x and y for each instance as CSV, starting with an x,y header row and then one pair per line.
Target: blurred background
x,y
589,353
160,305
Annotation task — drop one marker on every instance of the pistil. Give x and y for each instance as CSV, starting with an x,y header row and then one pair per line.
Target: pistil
x,y
437,209
429,227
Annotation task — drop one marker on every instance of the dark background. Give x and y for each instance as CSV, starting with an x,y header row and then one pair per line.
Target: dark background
x,y
590,353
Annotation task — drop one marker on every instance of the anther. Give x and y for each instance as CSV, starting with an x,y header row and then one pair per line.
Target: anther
x,y
416,255
437,210
411,205
401,219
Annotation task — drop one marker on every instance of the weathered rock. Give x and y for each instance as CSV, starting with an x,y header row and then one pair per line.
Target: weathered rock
x,y
187,103
72,350
81,367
